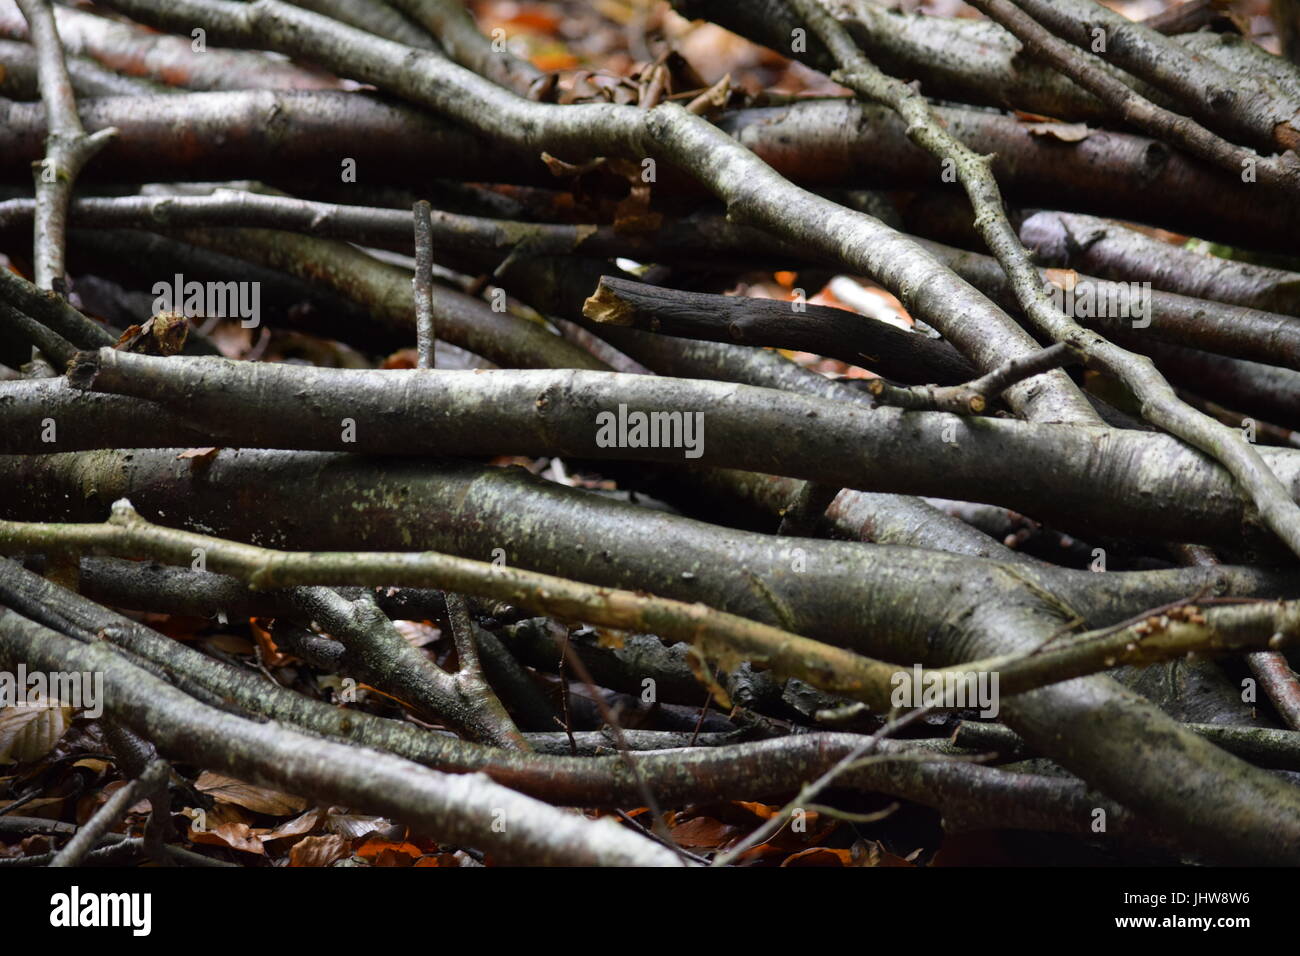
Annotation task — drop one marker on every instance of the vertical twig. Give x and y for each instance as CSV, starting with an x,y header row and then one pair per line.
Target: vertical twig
x,y
426,333
564,694
624,751
67,147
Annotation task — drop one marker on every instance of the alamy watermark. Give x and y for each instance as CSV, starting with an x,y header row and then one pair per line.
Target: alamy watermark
x,y
74,908
1087,299
946,689
626,429
83,690
210,300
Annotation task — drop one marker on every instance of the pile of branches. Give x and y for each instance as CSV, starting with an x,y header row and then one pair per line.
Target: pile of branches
x,y
674,566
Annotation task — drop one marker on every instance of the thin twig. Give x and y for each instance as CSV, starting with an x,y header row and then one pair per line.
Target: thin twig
x,y
974,397
646,831
809,792
425,329
624,751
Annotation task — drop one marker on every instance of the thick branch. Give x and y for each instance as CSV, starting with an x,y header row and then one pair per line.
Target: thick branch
x,y
838,333
563,412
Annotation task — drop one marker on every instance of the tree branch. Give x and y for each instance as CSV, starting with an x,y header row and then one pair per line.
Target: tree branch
x,y
67,147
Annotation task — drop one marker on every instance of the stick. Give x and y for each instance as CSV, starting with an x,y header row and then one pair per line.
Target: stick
x,y
425,329
67,147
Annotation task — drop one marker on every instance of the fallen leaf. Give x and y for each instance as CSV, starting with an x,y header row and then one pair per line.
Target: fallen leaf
x,y
703,832
547,62
229,644
819,856
871,853
1065,279
384,852
237,836
272,656
391,857
29,733
761,810
258,799
164,334
298,826
402,358
319,850
91,802
198,454
1065,132
355,825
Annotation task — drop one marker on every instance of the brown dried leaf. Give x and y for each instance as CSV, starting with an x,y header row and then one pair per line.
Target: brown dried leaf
x,y
355,825
298,826
258,799
229,643
319,850
1065,132
203,454
819,856
1065,279
29,733
164,334
237,836
703,832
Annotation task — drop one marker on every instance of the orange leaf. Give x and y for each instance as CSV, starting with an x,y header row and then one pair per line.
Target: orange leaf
x,y
535,18
819,856
237,836
703,832
1062,278
272,656
201,453
377,848
550,62
402,358
760,810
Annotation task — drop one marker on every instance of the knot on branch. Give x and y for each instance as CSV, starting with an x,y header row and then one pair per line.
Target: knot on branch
x,y
83,369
